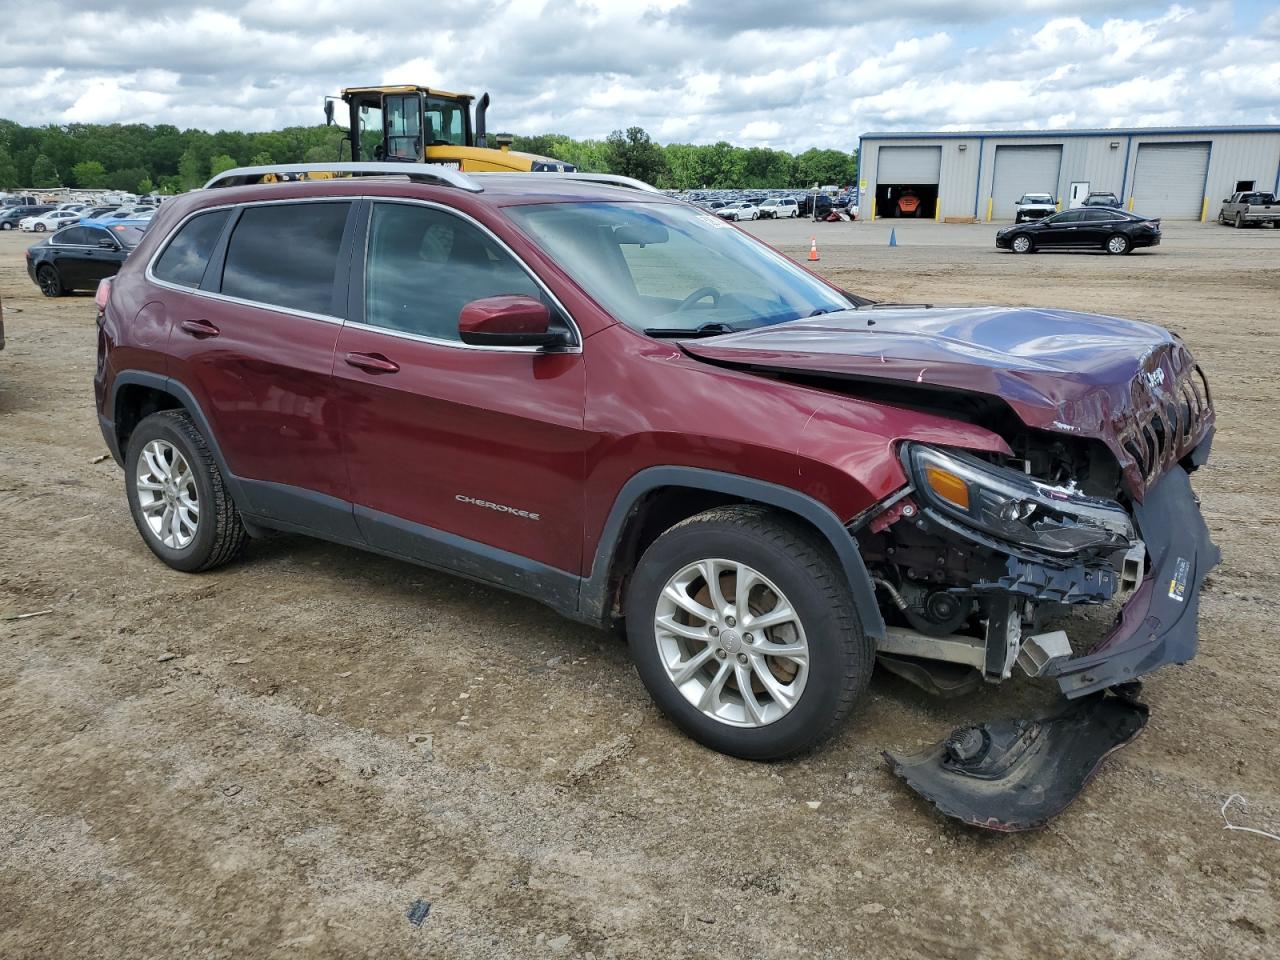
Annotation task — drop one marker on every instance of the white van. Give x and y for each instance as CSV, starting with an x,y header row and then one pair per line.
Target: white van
x,y
779,208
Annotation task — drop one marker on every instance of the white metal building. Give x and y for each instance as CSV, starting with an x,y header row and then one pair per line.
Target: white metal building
x,y
1178,173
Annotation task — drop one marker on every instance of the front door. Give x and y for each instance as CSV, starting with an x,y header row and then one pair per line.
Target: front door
x,y
1079,191
1061,230
455,451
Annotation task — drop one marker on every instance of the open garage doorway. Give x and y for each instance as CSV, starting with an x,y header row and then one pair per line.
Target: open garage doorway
x,y
916,200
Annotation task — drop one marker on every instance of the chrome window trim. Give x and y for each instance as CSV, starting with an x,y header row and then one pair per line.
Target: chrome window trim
x,y
150,276
575,332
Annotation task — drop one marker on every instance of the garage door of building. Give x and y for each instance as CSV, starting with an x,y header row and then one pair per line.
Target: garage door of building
x,y
1169,180
1020,170
914,165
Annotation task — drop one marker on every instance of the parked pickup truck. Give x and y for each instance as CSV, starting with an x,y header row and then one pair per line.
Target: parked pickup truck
x,y
1250,209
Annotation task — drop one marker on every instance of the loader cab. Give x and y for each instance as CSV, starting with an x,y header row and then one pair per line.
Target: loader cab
x,y
413,124
401,123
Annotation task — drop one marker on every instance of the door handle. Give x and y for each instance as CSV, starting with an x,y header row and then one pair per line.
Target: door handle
x,y
200,329
373,362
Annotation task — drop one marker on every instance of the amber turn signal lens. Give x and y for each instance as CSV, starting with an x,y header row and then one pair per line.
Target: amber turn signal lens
x,y
948,486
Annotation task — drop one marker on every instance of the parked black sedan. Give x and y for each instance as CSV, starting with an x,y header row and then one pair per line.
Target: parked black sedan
x,y
1085,228
77,257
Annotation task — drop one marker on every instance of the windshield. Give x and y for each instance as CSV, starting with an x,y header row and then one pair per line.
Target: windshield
x,y
668,268
446,122
1037,198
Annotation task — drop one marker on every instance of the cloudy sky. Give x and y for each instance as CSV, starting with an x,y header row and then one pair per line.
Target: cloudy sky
x,y
776,73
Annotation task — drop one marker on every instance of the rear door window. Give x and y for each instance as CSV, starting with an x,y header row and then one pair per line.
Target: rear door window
x,y
74,236
187,254
286,255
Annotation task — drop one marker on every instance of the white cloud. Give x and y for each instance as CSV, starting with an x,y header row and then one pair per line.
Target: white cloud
x,y
768,72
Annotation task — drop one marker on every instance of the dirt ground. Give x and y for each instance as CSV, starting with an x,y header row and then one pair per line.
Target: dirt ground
x,y
280,758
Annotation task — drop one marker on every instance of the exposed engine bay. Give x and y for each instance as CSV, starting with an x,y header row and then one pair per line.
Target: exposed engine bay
x,y
975,558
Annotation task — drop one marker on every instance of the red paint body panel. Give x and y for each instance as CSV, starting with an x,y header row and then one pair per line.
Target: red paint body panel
x,y
265,383
500,427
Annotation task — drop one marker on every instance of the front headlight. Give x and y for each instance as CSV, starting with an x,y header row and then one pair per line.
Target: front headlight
x,y
1015,507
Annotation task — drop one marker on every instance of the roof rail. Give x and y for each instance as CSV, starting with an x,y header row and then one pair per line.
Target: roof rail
x,y
418,172
611,178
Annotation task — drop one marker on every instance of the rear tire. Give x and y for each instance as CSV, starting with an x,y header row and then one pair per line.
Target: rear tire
x,y
789,568
49,281
1118,244
158,447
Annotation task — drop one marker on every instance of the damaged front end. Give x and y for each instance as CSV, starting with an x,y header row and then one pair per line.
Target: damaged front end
x,y
977,558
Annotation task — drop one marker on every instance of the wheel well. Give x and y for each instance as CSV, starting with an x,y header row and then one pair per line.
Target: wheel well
x,y
652,515
134,402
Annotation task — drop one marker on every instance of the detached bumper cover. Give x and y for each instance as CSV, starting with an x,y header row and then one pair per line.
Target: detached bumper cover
x,y
1158,625
1014,775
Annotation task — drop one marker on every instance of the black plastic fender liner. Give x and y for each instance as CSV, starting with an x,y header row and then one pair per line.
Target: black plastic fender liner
x,y
1015,775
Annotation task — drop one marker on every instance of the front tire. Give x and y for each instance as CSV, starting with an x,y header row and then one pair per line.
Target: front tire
x,y
178,498
1022,244
49,281
744,632
1118,244
38,228
1239,221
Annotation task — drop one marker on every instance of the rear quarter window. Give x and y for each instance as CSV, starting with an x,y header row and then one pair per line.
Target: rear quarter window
x,y
185,258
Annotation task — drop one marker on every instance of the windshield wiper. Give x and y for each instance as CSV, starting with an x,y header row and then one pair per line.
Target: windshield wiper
x,y
714,329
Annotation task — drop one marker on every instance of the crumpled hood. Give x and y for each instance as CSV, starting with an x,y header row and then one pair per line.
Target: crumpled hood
x,y
1130,384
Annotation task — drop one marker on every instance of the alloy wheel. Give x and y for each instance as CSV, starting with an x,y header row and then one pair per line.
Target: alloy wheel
x,y
167,494
1021,244
50,285
1117,244
731,643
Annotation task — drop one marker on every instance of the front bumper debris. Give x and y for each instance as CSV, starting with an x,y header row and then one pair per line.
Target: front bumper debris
x,y
1015,775
1158,625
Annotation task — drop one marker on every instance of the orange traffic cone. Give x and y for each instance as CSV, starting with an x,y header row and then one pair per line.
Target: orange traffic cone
x,y
813,249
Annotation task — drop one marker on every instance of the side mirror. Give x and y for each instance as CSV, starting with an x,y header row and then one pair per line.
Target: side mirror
x,y
328,112
508,320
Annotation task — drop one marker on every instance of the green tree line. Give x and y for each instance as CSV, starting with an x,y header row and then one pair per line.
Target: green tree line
x,y
141,158
691,166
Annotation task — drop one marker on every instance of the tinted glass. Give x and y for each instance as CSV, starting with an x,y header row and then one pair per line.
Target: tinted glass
x,y
286,255
1098,215
1071,216
125,233
74,235
425,265
184,260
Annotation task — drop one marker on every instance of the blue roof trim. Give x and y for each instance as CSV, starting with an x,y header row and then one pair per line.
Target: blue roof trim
x,y
1054,134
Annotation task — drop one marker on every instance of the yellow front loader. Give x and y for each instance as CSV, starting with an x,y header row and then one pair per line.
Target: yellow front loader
x,y
421,125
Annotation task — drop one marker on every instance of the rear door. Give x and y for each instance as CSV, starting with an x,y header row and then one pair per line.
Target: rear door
x,y
68,249
446,440
253,331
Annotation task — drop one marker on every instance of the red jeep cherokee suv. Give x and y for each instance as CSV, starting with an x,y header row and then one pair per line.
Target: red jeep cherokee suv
x,y
580,390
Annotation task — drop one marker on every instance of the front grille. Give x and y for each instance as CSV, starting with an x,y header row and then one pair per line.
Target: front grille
x,y
1169,415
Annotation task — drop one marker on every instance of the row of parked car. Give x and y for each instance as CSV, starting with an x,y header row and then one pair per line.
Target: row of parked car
x,y
43,218
773,208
